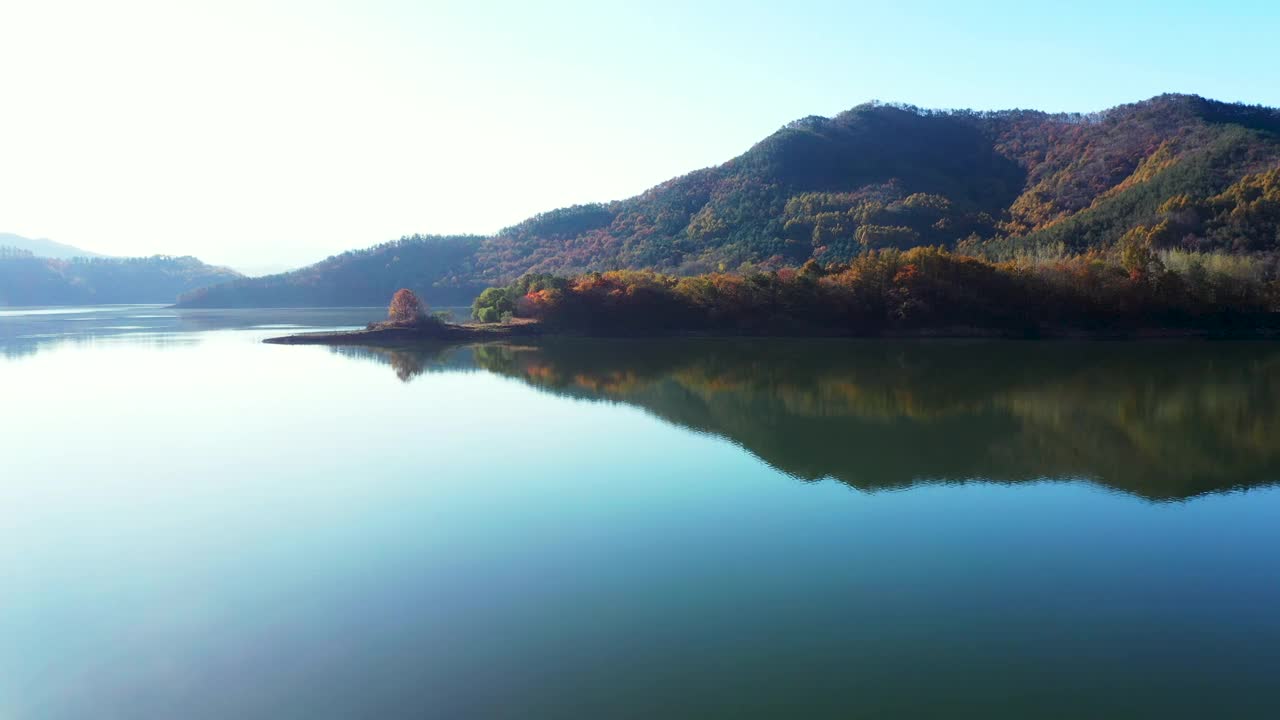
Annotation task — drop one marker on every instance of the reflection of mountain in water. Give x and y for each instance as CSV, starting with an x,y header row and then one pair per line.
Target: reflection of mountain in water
x,y
1160,420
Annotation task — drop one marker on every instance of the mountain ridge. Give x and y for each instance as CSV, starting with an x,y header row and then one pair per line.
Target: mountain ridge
x,y
27,280
1185,171
44,247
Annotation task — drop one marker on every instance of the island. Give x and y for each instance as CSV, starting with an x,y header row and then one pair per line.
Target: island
x,y
409,323
387,335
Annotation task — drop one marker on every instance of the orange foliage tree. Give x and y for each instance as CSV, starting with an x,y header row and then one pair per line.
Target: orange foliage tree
x,y
406,307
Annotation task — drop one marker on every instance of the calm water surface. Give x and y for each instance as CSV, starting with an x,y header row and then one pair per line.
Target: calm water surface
x,y
197,525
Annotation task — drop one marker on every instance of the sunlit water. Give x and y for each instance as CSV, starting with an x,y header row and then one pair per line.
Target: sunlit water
x,y
197,525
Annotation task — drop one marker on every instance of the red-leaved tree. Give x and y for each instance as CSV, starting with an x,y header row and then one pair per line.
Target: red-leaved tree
x,y
406,307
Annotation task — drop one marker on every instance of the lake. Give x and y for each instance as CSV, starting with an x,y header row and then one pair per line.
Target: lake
x,y
197,525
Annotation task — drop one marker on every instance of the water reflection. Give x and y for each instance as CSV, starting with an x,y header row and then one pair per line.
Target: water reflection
x,y
1158,420
27,331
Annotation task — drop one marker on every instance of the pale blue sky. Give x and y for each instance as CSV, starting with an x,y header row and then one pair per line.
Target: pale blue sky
x,y
276,133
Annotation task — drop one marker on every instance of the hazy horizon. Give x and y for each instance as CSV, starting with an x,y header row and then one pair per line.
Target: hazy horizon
x,y
265,136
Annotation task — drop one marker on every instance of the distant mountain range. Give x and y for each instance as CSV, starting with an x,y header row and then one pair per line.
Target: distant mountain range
x,y
44,272
29,280
42,247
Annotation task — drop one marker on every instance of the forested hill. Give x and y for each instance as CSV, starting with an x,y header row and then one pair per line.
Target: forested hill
x,y
29,280
1180,171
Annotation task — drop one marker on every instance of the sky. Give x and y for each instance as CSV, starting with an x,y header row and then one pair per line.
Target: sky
x,y
269,134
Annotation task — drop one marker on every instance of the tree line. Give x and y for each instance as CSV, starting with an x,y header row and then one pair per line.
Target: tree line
x,y
922,289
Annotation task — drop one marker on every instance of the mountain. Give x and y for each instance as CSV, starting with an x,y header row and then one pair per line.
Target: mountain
x,y
42,247
29,280
1182,170
439,268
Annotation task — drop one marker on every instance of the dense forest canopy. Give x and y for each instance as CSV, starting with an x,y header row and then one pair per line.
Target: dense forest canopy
x,y
924,289
29,280
1186,173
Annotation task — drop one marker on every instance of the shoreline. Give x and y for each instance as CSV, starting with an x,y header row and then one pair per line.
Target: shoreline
x,y
474,332
400,336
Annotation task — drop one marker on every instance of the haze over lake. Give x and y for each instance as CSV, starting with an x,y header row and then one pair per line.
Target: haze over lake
x,y
197,525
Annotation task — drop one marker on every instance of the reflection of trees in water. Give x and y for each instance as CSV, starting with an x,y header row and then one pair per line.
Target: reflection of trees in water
x,y
18,350
1160,420
409,363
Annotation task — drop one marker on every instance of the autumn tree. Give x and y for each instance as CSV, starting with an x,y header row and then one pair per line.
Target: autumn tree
x,y
406,308
1136,254
885,236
